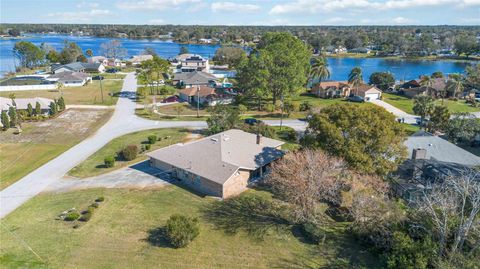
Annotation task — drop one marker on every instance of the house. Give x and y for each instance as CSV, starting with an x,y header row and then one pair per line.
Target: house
x,y
431,160
191,79
360,50
367,92
78,67
94,67
98,59
413,87
331,89
115,62
191,62
71,79
22,103
207,96
138,59
220,165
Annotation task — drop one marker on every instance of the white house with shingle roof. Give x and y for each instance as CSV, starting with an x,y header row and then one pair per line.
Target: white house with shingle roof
x,y
220,165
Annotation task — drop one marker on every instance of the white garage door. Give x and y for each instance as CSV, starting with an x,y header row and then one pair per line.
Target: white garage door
x,y
371,96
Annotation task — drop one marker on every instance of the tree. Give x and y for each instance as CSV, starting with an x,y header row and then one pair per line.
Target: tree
x,y
38,109
232,56
183,50
408,254
113,49
368,138
462,127
150,51
14,32
130,152
439,119
61,103
423,106
466,44
222,118
28,54
5,120
30,110
455,85
12,115
82,58
70,52
179,109
53,108
437,74
53,56
356,77
305,178
12,97
319,69
89,52
154,70
253,76
181,230
472,76
383,80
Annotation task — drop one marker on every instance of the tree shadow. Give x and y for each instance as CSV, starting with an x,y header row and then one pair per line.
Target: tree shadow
x,y
157,237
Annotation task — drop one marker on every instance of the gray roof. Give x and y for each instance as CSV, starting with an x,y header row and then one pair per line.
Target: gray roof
x,y
91,66
440,149
194,78
76,66
219,156
70,76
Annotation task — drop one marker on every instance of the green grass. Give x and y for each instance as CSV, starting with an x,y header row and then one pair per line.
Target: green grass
x,y
406,104
89,94
94,165
116,236
410,129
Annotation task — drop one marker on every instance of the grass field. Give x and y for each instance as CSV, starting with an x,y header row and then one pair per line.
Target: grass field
x,y
94,165
406,104
84,95
43,141
116,236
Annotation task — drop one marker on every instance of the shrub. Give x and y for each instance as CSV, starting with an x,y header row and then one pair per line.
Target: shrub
x,y
269,107
71,216
94,205
312,232
181,230
86,216
152,139
148,146
305,106
109,161
242,109
100,199
130,152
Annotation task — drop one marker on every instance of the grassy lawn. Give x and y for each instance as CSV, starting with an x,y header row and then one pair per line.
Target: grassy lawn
x,y
84,95
406,104
94,165
411,129
111,75
116,236
40,142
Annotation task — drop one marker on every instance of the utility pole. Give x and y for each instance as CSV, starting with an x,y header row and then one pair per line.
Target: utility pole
x,y
198,100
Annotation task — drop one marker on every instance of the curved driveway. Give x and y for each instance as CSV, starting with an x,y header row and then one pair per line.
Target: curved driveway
x,y
123,121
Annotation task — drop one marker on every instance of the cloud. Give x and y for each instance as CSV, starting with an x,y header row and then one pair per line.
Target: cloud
x,y
79,16
156,21
318,6
231,7
402,20
335,20
87,4
153,4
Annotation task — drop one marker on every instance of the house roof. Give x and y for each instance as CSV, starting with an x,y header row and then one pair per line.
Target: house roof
x,y
219,156
362,89
336,84
203,91
91,66
141,58
69,76
96,59
22,103
194,78
185,56
76,66
438,84
440,149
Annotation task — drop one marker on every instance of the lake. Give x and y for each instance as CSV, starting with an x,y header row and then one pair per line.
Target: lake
x,y
339,67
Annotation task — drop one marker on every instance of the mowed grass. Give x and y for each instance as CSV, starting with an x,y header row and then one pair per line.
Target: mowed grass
x,y
406,104
94,165
116,236
89,94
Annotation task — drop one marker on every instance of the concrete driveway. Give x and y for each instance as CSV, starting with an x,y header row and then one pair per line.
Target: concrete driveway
x,y
399,114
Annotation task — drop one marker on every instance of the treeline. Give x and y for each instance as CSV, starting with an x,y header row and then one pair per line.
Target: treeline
x,y
408,40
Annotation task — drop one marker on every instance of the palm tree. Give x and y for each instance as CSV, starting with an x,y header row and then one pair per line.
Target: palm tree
x,y
319,69
427,82
356,77
423,106
456,84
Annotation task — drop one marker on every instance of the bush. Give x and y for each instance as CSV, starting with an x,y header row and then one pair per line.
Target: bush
x,y
242,109
100,199
130,152
109,161
148,146
181,230
312,232
269,107
86,216
94,205
152,139
71,216
305,106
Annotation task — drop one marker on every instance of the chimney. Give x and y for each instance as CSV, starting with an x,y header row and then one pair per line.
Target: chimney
x,y
259,139
419,154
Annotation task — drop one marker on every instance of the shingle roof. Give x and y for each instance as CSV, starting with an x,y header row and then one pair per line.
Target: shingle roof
x,y
219,156
336,84
194,78
440,149
22,103
203,91
69,76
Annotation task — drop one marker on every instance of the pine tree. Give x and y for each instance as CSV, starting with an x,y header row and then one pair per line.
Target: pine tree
x,y
5,121
38,109
61,104
12,114
30,110
53,108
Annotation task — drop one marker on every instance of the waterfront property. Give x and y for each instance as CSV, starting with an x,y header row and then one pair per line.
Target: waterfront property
x,y
220,165
191,62
413,87
138,59
77,67
204,95
190,79
331,89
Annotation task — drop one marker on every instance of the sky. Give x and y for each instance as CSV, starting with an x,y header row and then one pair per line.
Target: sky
x,y
243,12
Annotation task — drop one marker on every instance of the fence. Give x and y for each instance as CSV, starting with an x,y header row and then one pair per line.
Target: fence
x,y
28,87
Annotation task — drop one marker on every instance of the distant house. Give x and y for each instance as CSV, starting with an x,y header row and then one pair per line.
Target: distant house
x,y
191,79
138,59
205,95
22,103
71,79
360,50
331,89
220,165
367,92
98,59
78,67
191,62
115,62
413,87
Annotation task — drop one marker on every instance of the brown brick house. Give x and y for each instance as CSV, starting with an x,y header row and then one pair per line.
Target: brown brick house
x,y
331,89
220,165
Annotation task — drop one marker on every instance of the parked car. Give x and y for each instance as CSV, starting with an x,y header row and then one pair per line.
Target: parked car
x,y
355,98
252,121
111,70
97,78
171,99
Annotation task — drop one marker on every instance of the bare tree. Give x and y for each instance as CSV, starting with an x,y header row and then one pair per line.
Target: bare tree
x,y
452,207
113,49
306,177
